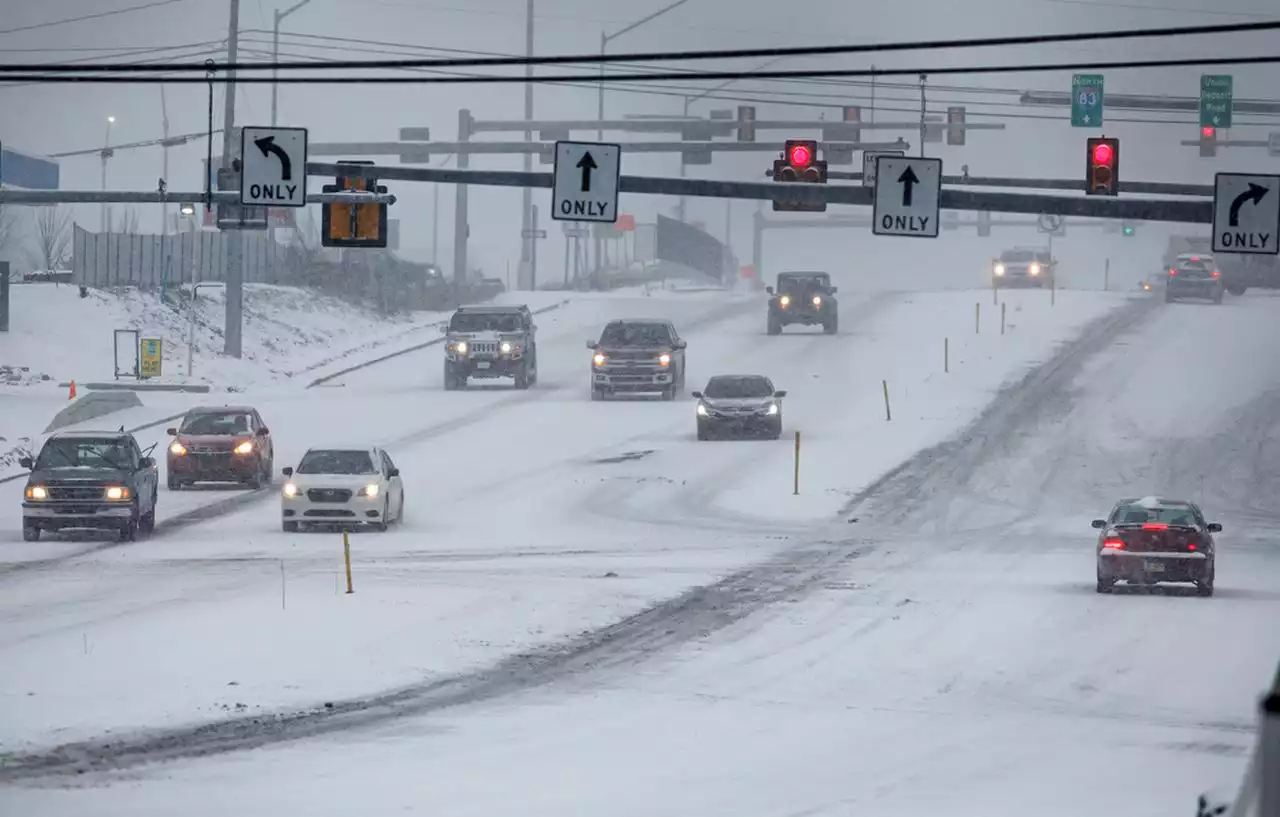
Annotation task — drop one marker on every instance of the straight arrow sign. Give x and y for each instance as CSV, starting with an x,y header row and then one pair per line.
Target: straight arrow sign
x,y
587,164
909,181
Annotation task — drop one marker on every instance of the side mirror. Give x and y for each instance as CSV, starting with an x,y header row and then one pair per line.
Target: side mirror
x,y
1099,523
1214,527
696,395
25,462
172,432
444,328
834,290
287,470
145,463
394,472
264,431
780,393
591,344
681,344
769,290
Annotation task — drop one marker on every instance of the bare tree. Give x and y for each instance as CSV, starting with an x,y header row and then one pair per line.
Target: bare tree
x,y
129,224
9,232
53,238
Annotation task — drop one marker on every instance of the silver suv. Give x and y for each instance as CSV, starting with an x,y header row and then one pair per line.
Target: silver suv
x,y
490,342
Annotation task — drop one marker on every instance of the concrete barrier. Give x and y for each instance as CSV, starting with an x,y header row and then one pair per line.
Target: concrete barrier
x,y
192,388
92,406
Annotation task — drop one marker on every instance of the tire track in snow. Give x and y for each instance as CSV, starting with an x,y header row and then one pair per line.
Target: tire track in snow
x,y
694,614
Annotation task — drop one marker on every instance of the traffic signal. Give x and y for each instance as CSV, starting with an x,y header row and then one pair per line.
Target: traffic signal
x,y
351,225
1208,141
1102,166
1126,229
800,163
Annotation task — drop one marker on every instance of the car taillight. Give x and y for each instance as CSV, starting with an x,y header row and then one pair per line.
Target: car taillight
x,y
1191,547
1173,271
1217,274
1155,526
1113,544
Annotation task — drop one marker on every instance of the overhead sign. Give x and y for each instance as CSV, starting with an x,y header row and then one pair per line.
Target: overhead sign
x,y
1246,213
1050,223
274,170
150,359
869,164
1215,100
26,171
1086,100
586,182
908,192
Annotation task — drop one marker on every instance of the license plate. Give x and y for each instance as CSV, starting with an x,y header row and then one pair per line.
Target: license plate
x,y
482,364
1153,567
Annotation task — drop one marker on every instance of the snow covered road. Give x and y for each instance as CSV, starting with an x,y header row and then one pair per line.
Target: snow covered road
x,y
515,539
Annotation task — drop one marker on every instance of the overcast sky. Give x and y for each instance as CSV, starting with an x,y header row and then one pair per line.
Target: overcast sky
x,y
59,118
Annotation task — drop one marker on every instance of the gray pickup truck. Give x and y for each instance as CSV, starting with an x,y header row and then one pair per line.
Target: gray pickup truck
x,y
637,357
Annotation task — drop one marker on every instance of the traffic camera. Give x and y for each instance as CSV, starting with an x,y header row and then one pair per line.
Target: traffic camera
x,y
351,225
800,163
1102,165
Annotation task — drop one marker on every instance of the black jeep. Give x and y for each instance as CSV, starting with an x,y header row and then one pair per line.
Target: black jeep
x,y
97,480
806,298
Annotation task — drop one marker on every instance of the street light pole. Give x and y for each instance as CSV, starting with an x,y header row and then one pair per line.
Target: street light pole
x,y
275,56
528,244
106,156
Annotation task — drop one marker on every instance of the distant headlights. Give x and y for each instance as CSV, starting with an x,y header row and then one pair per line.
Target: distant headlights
x,y
505,347
702,410
999,269
290,490
773,409
1034,269
785,301
245,447
37,492
817,300
177,449
117,493
664,360
370,491
599,359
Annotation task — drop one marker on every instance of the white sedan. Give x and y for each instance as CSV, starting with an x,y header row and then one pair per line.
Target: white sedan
x,y
343,486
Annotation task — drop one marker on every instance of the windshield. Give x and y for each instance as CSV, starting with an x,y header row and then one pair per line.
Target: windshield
x,y
793,283
485,322
1194,263
337,462
733,388
105,452
214,423
636,334
1138,514
1023,256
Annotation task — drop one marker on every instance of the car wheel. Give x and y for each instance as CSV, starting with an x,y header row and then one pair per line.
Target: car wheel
x,y
1236,290
30,533
451,381
381,525
1217,296
775,326
289,527
147,522
703,433
174,483
1105,585
832,327
597,393
129,532
669,393
1168,297
522,377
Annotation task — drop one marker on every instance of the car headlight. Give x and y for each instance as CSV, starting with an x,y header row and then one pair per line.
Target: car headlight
x,y
702,410
115,493
785,300
245,447
177,449
37,492
817,300
773,409
999,269
371,491
664,360
1034,269
460,347
599,359
290,490
505,348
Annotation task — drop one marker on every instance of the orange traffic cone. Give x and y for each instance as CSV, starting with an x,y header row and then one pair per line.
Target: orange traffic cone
x,y
72,395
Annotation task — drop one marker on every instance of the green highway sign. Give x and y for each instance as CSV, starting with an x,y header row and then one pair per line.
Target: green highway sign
x,y
1215,100
1086,101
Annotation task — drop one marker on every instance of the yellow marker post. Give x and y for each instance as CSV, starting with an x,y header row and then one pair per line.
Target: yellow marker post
x,y
795,491
346,556
1002,306
977,318
1053,292
946,354
888,416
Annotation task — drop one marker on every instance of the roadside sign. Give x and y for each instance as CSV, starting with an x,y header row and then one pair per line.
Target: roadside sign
x,y
1215,100
586,182
1246,213
1086,100
274,167
907,197
150,360
869,164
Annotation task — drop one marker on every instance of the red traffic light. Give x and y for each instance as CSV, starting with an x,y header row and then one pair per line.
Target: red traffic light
x,y
800,156
1102,154
1208,131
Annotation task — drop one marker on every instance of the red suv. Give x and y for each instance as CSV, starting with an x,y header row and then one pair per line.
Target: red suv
x,y
224,444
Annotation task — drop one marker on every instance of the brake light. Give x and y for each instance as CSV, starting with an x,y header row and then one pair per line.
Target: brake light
x,y
1155,526
1195,258
1172,271
1217,274
1191,547
1113,544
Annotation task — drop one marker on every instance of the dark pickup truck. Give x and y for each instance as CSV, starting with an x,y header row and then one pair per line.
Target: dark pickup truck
x,y
635,357
96,480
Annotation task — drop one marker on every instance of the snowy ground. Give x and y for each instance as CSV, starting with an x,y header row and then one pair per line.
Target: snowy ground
x,y
532,516
947,654
291,336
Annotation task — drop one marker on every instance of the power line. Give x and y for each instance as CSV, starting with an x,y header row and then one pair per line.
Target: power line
x,y
684,56
86,17
661,76
18,82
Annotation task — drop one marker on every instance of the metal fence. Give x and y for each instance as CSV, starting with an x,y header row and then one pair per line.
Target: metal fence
x,y
149,261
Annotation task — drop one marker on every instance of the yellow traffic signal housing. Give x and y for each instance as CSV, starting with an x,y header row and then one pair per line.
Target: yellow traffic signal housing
x,y
352,225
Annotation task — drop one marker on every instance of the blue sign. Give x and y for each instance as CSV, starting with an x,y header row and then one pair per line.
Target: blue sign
x,y
26,171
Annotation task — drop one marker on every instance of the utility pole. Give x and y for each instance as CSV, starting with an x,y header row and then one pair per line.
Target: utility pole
x,y
528,246
234,322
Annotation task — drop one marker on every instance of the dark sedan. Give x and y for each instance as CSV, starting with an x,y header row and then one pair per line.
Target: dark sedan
x,y
740,406
1152,540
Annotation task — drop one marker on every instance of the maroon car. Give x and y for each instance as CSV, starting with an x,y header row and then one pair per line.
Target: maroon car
x,y
1151,540
220,444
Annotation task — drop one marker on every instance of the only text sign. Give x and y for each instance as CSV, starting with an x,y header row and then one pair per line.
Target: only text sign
x,y
1246,213
586,182
908,192
274,171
